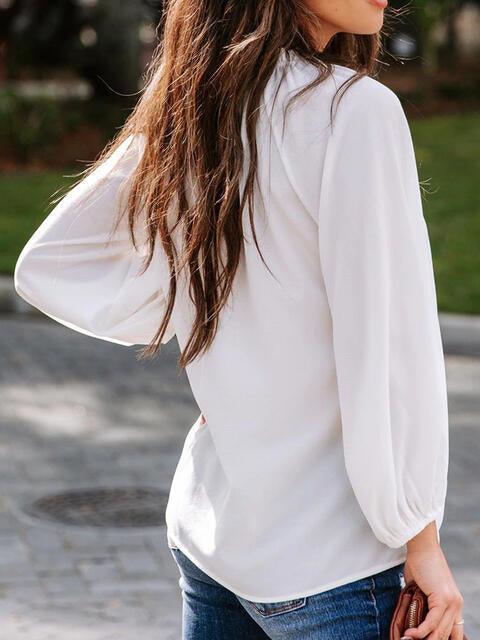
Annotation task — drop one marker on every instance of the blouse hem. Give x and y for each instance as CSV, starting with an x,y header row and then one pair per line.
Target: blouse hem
x,y
365,573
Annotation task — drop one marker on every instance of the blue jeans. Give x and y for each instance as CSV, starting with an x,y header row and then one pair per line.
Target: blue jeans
x,y
359,610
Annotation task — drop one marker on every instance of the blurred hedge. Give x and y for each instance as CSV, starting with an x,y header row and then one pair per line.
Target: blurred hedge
x,y
47,132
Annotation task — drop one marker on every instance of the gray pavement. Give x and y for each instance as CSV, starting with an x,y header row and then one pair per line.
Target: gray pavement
x,y
77,412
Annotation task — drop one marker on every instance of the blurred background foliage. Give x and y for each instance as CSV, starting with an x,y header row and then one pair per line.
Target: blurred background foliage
x,y
71,70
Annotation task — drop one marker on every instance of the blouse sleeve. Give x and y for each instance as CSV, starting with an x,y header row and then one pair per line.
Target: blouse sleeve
x,y
378,273
75,270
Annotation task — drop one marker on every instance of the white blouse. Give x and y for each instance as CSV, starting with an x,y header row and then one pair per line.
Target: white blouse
x,y
325,446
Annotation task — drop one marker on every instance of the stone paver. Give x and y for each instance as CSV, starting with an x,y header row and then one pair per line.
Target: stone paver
x,y
79,412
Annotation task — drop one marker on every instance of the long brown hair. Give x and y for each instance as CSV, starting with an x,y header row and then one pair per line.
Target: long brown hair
x,y
213,60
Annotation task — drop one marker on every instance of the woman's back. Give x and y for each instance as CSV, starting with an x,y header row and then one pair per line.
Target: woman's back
x,y
261,499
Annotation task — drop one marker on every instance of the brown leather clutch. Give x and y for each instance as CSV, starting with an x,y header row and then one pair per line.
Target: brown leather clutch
x,y
411,611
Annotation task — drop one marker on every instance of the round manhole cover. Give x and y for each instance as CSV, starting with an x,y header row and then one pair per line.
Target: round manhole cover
x,y
102,507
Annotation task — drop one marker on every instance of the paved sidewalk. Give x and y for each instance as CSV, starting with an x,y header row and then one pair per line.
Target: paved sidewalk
x,y
76,412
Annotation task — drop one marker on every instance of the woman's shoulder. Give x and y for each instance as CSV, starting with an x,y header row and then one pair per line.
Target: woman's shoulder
x,y
363,97
369,121
371,111
368,94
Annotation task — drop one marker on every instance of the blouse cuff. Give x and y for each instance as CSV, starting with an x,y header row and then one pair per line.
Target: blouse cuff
x,y
395,542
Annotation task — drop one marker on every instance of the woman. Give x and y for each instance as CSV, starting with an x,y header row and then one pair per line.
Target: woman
x,y
287,251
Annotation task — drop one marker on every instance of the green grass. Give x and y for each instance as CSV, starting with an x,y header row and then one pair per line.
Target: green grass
x,y
24,203
448,159
447,149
